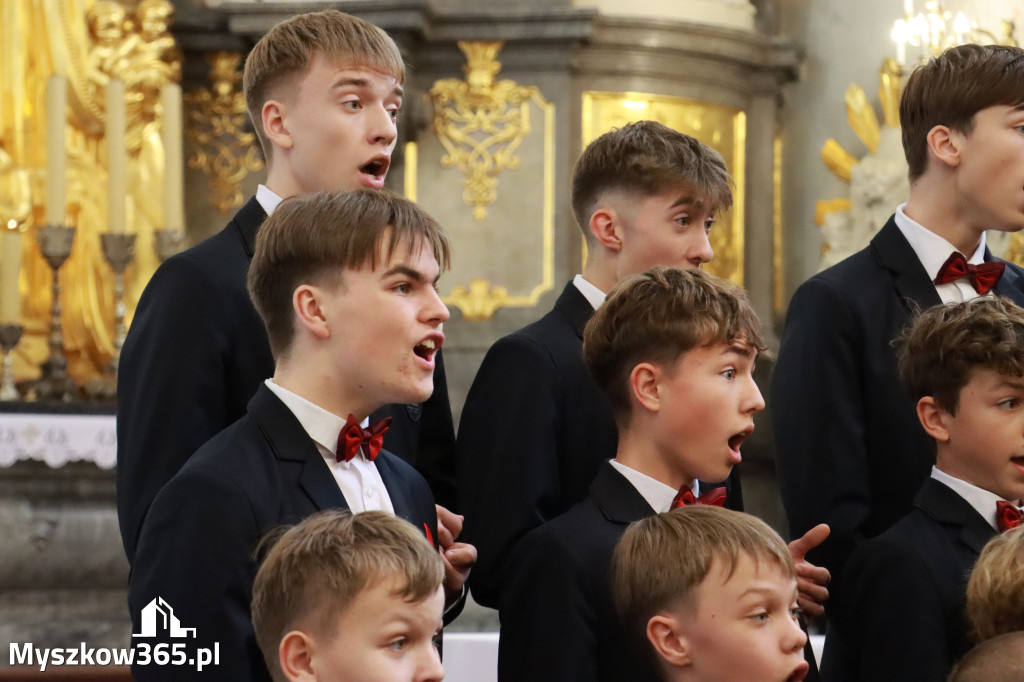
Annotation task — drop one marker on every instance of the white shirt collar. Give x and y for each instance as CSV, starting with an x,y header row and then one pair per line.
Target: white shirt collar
x,y
321,425
931,249
982,500
595,297
656,493
267,199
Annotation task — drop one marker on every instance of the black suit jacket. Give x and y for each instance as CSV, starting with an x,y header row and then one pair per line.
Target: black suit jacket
x,y
849,449
904,617
534,431
558,619
197,546
195,354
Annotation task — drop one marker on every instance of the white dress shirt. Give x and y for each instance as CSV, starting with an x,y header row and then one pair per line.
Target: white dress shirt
x,y
656,493
595,297
982,500
267,199
933,251
359,479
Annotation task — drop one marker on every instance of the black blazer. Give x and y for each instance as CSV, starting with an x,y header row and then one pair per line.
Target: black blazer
x,y
534,431
849,449
904,616
196,549
558,619
195,354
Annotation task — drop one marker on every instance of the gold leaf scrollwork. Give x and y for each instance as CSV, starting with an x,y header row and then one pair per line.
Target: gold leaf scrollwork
x,y
479,300
218,143
480,122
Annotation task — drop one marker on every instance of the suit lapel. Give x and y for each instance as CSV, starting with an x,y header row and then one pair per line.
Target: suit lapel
x,y
909,277
619,501
575,307
296,450
248,220
1010,285
945,506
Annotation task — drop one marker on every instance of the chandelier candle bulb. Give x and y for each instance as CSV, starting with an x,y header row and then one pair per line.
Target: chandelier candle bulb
x,y
56,155
10,266
173,168
117,156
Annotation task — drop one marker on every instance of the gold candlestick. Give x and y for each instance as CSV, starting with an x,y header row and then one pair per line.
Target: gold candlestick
x,y
55,243
10,335
119,250
168,242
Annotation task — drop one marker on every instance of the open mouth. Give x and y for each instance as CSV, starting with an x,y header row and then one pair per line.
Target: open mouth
x,y
799,673
737,439
426,348
377,168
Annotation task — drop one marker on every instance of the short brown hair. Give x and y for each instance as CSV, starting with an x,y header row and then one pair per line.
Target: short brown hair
x,y
658,315
951,88
646,158
995,592
288,48
946,343
662,559
311,239
1000,659
315,569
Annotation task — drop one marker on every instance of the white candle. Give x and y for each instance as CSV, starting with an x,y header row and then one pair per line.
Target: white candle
x,y
117,156
908,7
173,169
56,155
10,266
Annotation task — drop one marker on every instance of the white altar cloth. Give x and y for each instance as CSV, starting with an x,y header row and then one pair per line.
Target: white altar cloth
x,y
58,439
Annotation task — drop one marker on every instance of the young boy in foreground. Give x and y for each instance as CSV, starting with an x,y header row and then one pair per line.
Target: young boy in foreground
x,y
350,598
713,591
963,364
995,591
345,283
674,351
1000,659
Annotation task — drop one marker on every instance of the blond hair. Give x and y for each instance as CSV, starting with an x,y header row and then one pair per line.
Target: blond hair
x,y
660,560
995,592
288,48
314,570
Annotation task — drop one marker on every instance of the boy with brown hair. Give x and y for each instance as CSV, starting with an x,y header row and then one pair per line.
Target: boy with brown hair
x,y
324,90
1000,659
349,598
963,363
995,591
535,429
711,594
674,351
346,285
849,448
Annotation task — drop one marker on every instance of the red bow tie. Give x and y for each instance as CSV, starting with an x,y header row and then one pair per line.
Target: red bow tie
x,y
353,435
685,498
982,277
1007,516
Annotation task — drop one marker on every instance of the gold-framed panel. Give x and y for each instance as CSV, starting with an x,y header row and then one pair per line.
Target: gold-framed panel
x,y
488,250
721,128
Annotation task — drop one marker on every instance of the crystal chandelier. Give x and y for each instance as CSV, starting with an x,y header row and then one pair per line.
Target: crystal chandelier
x,y
923,35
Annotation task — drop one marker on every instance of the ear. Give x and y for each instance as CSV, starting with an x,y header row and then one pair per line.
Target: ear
x,y
307,301
274,125
933,418
296,657
944,144
667,638
644,382
605,226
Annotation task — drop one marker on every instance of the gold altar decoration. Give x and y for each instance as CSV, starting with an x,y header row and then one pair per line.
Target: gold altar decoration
x,y
720,127
88,42
218,142
480,122
935,29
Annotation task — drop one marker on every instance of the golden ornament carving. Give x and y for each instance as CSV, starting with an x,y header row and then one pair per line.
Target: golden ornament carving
x,y
481,123
218,142
479,300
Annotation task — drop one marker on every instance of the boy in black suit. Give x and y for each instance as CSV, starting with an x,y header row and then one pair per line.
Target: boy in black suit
x,y
324,90
346,286
711,595
849,448
904,617
674,352
643,195
350,598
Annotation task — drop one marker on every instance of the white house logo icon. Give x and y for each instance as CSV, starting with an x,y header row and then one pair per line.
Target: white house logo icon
x,y
159,614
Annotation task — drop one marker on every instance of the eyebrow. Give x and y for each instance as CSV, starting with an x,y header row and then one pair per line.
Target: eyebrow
x,y
688,200
1005,383
741,349
409,272
358,82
